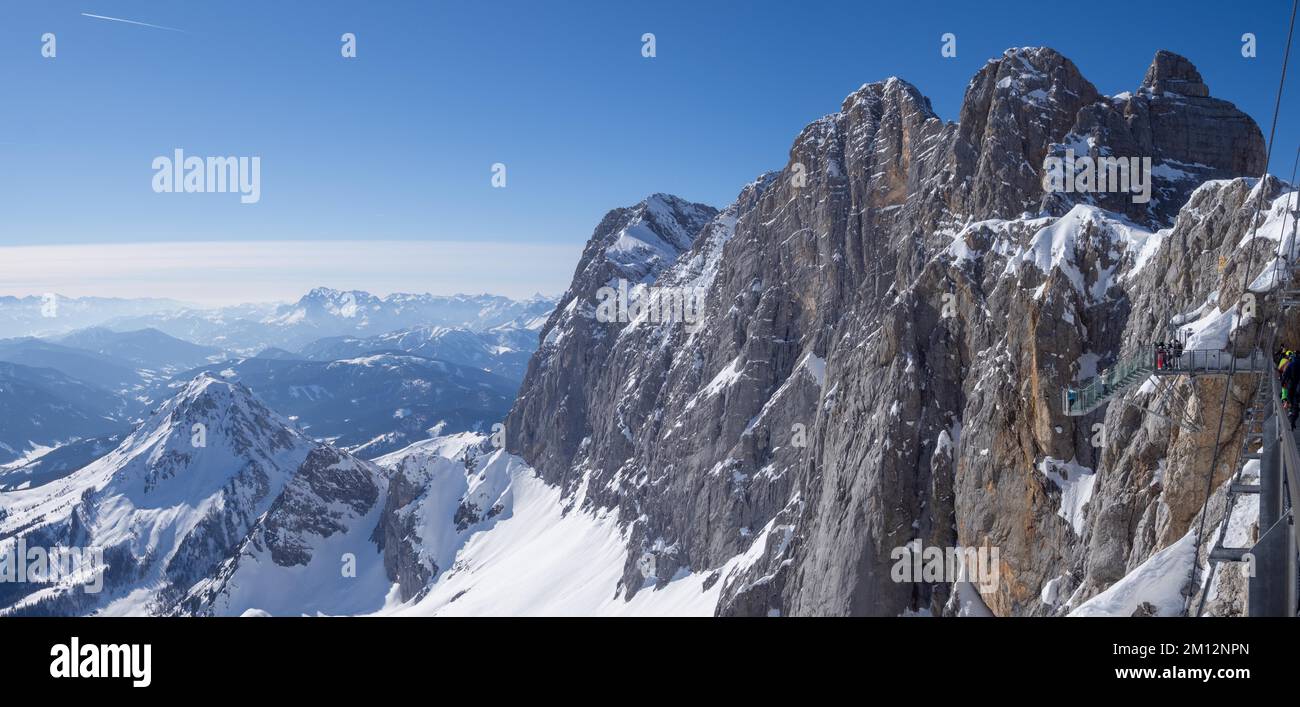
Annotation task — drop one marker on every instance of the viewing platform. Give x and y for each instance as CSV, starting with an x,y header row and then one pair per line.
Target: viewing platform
x,y
1147,361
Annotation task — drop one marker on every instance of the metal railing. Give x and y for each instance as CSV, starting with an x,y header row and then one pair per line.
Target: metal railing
x,y
1290,456
1148,360
1273,592
1081,401
1206,361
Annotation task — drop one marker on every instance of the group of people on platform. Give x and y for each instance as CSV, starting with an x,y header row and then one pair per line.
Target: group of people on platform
x,y
1167,354
1289,375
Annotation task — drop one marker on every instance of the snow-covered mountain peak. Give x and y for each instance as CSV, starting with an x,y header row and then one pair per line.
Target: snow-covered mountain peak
x,y
657,230
211,434
230,410
211,398
212,488
871,93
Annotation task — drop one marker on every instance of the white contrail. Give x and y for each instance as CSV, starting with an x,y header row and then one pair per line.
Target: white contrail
x,y
131,22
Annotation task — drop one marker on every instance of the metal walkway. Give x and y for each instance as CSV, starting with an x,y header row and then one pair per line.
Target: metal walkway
x,y
1266,441
1272,559
1147,361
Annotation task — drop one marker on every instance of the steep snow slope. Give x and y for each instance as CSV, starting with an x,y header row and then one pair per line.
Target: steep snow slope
x,y
538,561
311,553
1158,582
496,540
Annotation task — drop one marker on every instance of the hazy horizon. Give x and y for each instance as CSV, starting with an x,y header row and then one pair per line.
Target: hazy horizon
x,y
213,274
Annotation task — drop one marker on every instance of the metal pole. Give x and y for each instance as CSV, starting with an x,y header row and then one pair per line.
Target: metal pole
x,y
1291,577
1292,472
1267,596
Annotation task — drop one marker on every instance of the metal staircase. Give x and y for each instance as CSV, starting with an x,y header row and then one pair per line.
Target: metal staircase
x,y
1146,361
1252,442
1099,390
1289,297
1172,402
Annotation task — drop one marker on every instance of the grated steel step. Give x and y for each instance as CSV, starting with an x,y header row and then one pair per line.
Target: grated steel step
x,y
1229,554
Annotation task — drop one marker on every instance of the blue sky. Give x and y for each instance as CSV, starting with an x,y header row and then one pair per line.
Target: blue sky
x,y
397,144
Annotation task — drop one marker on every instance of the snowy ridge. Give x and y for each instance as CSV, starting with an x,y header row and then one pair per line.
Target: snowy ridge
x,y
209,472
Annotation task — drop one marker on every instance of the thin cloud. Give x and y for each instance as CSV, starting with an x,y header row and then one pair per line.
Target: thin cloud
x,y
232,272
132,22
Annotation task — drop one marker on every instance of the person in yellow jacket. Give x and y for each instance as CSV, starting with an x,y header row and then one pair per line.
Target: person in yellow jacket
x,y
1284,358
1291,387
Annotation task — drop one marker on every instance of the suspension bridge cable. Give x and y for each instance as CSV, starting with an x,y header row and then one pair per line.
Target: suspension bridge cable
x,y
1294,209
1232,368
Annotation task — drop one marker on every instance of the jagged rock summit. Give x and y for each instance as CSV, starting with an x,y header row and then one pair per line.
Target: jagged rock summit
x,y
1171,73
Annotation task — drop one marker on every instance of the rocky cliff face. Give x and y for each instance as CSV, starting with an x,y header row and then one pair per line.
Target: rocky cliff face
x,y
549,419
886,325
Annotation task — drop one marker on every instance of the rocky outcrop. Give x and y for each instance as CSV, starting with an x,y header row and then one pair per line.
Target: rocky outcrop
x,y
441,492
326,496
887,324
1014,109
396,530
552,415
1189,136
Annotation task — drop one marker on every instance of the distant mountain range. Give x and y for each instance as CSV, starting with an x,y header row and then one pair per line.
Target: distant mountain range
x,y
108,373
370,405
324,312
370,374
247,328
42,407
145,348
503,350
52,314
